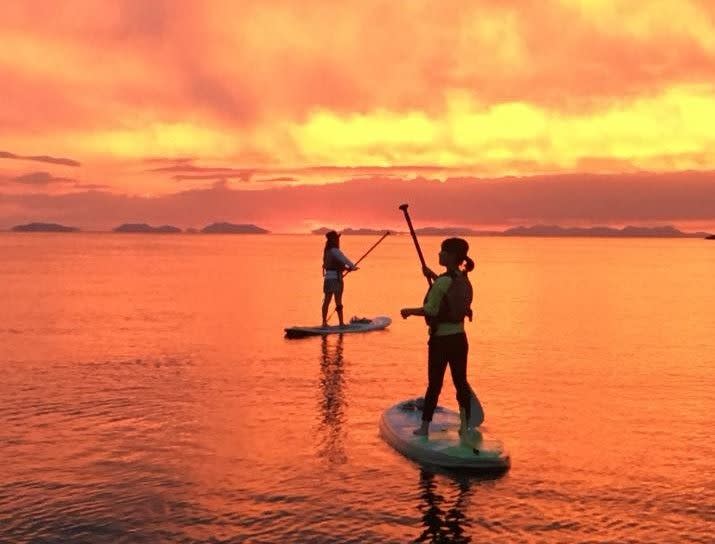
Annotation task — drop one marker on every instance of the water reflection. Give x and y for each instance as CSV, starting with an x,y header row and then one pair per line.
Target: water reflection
x,y
443,518
331,403
443,514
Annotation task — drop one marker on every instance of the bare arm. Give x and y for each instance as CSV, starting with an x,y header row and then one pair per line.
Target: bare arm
x,y
406,312
434,299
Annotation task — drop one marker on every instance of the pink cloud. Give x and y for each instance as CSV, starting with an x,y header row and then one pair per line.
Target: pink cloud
x,y
39,158
572,200
40,178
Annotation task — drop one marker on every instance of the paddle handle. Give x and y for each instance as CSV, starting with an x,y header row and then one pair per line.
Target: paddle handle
x,y
403,207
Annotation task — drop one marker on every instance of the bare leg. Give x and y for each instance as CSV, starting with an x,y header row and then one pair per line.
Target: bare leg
x,y
339,307
326,305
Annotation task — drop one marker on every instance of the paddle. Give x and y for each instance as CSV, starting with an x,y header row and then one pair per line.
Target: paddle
x,y
403,207
345,273
387,233
476,411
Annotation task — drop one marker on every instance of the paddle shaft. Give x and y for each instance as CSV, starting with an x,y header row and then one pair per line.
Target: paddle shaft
x,y
403,207
368,252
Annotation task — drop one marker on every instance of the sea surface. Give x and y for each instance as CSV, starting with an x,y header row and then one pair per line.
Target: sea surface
x,y
148,394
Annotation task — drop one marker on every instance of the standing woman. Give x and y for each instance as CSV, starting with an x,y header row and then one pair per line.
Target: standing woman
x,y
334,264
446,305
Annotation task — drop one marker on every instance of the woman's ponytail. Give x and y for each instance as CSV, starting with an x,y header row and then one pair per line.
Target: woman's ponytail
x,y
459,247
468,264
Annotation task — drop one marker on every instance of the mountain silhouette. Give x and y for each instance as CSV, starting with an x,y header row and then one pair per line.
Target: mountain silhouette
x,y
43,227
230,228
144,228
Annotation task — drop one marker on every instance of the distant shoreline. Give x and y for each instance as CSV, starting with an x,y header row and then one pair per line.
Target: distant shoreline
x,y
540,231
143,228
534,231
194,233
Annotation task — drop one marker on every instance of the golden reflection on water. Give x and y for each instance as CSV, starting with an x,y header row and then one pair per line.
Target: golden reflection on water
x,y
161,361
332,400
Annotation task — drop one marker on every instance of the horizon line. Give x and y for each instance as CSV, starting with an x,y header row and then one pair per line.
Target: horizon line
x,y
559,230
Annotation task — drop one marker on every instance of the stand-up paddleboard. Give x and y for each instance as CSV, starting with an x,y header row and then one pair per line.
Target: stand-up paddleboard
x,y
444,447
356,325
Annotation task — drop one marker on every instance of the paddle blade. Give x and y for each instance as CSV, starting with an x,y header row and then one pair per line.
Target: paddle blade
x,y
476,412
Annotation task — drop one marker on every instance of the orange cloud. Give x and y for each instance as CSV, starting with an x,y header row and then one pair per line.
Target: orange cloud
x,y
478,88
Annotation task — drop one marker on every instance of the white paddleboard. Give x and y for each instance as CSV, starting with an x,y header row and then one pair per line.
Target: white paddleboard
x,y
361,325
444,447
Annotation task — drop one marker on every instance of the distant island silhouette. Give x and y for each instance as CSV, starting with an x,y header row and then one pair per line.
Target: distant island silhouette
x,y
455,231
43,227
711,237
603,232
230,228
144,228
349,231
220,228
321,230
667,231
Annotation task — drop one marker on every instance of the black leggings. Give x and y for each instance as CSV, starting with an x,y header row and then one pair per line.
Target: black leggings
x,y
444,350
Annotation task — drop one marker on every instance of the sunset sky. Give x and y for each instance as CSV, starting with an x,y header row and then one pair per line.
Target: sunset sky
x,y
295,114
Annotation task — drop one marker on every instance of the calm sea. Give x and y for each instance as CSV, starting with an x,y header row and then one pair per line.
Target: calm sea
x,y
148,394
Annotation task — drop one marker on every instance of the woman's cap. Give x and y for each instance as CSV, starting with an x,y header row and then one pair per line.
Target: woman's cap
x,y
332,235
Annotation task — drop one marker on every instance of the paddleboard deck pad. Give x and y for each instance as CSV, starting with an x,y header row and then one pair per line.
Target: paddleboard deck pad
x,y
444,447
356,325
